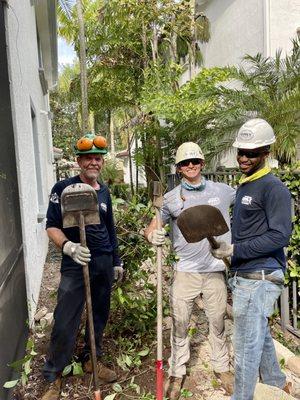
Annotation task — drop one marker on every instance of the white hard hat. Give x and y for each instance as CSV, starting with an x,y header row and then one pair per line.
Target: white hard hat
x,y
253,134
187,151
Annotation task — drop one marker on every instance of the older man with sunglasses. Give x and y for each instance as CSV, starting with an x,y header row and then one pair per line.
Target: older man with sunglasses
x,y
196,271
261,229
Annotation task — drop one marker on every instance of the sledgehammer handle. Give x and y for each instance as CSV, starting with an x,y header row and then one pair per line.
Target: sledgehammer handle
x,y
89,310
214,245
157,203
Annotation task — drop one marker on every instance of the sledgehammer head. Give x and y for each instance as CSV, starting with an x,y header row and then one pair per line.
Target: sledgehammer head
x,y
77,198
199,222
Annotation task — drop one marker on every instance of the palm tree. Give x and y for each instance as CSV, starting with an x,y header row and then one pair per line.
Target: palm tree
x,y
265,87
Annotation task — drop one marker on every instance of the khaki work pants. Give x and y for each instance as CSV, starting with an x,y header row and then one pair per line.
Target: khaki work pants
x,y
186,287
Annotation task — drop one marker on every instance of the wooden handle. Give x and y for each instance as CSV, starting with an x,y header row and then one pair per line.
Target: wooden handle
x,y
159,290
89,310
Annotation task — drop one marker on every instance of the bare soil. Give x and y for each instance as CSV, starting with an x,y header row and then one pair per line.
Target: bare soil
x,y
200,382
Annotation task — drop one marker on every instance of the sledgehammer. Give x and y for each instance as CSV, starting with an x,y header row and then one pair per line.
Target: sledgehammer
x,y
157,203
79,205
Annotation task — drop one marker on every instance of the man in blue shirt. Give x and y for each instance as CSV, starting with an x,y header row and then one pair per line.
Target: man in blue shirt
x,y
102,256
261,228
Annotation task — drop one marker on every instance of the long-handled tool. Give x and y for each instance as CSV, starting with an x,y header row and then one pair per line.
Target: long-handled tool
x,y
200,222
157,203
80,208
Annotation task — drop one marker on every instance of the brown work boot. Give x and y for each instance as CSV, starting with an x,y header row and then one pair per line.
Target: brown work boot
x,y
287,388
227,381
173,388
105,374
53,392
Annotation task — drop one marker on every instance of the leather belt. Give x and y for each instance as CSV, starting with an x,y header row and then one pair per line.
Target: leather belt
x,y
260,275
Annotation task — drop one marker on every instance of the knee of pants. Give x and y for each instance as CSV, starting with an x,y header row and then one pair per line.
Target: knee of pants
x,y
180,313
217,323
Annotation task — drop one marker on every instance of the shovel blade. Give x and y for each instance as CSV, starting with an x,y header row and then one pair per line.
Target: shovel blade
x,y
79,198
199,222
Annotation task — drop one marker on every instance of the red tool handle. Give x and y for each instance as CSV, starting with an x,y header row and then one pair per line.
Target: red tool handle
x,y
97,395
159,380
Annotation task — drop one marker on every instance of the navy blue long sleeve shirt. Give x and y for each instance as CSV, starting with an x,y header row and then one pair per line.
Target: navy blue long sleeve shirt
x,y
100,238
261,225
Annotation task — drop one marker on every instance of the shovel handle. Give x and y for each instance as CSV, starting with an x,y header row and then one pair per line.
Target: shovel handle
x,y
89,311
215,245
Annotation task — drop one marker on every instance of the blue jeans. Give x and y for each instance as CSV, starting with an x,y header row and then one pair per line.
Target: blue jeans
x,y
253,303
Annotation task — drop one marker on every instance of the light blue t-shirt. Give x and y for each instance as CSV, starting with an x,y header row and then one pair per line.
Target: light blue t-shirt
x,y
196,257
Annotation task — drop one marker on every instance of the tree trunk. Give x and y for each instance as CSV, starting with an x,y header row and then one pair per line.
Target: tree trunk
x,y
83,70
192,47
112,134
130,164
136,167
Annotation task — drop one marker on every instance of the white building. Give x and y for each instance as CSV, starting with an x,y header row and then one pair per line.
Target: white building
x,y
240,27
130,170
28,69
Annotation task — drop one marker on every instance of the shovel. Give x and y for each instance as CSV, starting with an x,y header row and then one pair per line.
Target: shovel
x,y
203,222
157,203
79,205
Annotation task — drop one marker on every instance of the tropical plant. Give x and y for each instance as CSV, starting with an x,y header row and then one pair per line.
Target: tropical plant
x,y
65,109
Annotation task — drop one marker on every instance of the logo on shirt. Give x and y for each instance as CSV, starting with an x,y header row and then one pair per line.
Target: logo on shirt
x,y
103,206
54,198
214,201
247,200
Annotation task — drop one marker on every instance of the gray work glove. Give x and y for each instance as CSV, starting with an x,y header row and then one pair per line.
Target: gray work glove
x,y
80,254
157,237
225,250
118,273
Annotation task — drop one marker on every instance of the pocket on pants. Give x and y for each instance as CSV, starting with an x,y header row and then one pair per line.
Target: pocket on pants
x,y
241,301
242,291
272,293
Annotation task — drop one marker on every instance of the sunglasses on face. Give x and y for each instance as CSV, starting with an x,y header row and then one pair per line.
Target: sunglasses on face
x,y
249,154
186,163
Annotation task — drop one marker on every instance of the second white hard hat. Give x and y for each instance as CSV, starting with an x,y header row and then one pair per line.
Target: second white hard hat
x,y
187,151
254,133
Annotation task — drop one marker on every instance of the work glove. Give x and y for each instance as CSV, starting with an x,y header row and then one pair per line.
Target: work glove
x,y
225,250
157,237
118,273
80,254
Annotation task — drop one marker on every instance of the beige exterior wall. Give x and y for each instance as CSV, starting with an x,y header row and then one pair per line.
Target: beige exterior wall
x,y
32,130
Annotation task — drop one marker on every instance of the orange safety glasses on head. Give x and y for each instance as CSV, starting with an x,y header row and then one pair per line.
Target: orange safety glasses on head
x,y
85,143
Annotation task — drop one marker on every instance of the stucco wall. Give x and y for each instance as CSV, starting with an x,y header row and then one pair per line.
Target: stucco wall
x,y
284,17
236,28
33,155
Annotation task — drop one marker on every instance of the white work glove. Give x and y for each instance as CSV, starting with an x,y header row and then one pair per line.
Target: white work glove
x,y
225,250
157,237
80,254
118,273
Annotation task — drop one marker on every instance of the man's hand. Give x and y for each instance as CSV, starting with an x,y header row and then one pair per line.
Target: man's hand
x,y
225,250
157,237
118,273
80,254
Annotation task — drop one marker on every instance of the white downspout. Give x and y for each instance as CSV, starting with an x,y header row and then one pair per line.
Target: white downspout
x,y
267,33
